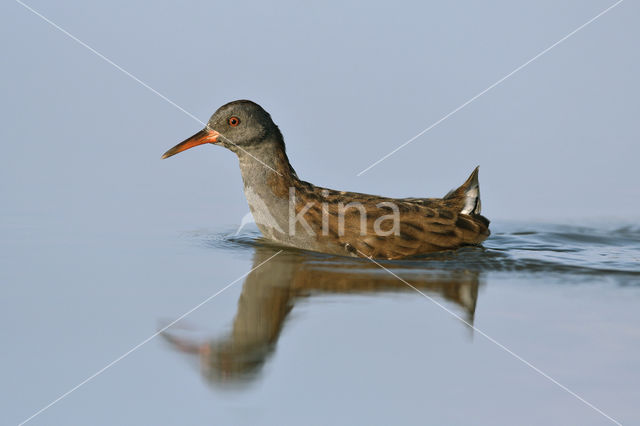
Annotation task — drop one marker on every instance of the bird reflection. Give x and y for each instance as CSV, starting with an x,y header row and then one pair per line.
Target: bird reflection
x,y
271,290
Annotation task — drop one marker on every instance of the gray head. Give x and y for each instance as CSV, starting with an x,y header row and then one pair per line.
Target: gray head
x,y
240,126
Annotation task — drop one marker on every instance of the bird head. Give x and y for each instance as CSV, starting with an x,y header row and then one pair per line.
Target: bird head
x,y
241,126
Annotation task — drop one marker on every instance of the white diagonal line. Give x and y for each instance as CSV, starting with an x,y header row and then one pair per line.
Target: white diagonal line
x,y
101,56
136,347
136,79
492,340
490,87
250,155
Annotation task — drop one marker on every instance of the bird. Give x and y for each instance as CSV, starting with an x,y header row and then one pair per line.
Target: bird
x,y
295,213
272,288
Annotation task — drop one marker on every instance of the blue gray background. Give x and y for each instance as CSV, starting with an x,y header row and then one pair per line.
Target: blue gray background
x,y
346,82
98,233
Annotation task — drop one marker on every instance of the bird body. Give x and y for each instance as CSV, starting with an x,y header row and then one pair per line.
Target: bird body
x,y
296,213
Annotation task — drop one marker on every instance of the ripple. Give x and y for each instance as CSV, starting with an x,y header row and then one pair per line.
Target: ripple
x,y
523,248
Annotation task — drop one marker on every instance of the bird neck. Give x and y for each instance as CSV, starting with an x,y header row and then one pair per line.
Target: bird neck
x,y
267,168
267,177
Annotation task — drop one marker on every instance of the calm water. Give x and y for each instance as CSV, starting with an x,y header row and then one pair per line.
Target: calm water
x,y
312,339
102,244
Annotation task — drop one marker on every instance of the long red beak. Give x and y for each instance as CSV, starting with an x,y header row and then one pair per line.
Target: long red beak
x,y
202,137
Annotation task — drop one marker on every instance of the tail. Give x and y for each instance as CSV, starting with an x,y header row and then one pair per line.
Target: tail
x,y
468,195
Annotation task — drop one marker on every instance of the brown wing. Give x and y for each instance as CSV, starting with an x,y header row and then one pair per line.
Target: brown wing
x,y
421,231
366,226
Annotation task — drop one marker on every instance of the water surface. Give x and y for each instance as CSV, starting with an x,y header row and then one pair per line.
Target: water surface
x,y
307,338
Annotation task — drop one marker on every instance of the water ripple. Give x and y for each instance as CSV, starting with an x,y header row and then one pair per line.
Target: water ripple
x,y
524,248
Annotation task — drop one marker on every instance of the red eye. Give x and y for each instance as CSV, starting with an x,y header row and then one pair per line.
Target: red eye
x,y
234,121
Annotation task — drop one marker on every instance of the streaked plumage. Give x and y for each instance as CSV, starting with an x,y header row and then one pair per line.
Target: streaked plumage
x,y
425,225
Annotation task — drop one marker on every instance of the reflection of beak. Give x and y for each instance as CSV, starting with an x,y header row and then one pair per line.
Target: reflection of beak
x,y
203,136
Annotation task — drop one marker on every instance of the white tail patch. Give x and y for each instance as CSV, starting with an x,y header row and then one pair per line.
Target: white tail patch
x,y
471,193
471,201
